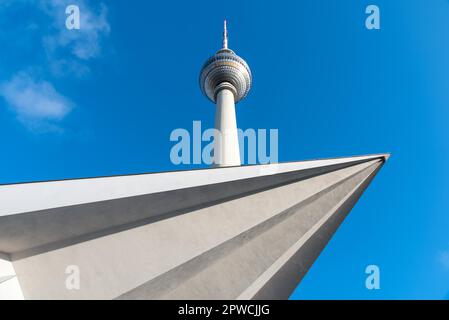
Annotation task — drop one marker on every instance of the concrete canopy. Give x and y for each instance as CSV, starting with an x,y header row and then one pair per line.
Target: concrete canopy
x,y
248,232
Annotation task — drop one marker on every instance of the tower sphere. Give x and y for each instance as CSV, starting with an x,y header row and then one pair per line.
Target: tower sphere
x,y
225,68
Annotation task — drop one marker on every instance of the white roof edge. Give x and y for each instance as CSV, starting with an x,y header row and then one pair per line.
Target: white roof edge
x,y
53,194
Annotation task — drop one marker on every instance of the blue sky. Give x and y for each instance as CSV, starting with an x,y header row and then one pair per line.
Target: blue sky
x,y
103,101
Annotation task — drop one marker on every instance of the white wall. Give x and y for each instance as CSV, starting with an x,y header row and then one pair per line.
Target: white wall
x,y
9,284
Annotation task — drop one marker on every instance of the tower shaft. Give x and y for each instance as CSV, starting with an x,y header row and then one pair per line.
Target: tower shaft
x,y
226,141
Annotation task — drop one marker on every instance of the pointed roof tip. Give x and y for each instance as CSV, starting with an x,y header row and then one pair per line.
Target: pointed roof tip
x,y
384,156
387,156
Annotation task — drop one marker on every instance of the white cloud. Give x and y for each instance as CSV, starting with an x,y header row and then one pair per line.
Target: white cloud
x,y
36,102
443,259
85,43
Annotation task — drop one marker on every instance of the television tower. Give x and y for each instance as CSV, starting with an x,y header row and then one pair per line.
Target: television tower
x,y
225,79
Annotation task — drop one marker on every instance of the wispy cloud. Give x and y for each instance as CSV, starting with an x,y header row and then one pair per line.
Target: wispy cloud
x,y
32,95
443,259
68,50
36,103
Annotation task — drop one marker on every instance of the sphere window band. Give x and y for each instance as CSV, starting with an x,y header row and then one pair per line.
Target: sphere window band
x,y
225,66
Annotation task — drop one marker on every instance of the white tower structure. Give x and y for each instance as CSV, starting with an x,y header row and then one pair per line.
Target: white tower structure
x,y
225,79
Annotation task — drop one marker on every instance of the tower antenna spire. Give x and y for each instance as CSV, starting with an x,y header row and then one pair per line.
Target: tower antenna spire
x,y
225,35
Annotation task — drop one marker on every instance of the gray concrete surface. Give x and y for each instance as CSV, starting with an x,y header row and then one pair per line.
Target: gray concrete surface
x,y
240,239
